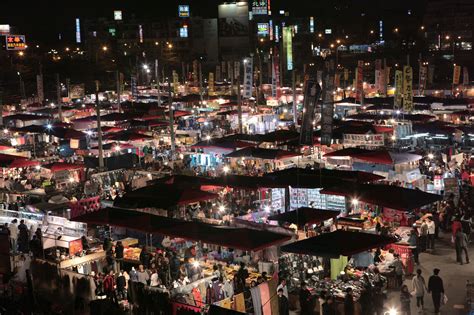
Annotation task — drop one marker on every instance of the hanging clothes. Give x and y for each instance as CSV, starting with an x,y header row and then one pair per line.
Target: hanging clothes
x,y
338,265
272,286
265,296
197,297
239,303
256,300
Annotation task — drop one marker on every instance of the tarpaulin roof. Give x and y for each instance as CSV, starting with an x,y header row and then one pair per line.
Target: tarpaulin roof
x,y
66,133
375,156
13,161
162,196
222,143
260,153
305,215
389,196
239,238
26,117
61,166
30,129
127,136
278,136
338,243
307,178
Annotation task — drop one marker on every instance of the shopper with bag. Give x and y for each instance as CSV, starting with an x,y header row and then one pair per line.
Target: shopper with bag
x,y
436,288
419,287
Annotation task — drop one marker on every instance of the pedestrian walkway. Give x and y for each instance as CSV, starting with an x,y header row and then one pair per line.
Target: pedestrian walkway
x,y
454,278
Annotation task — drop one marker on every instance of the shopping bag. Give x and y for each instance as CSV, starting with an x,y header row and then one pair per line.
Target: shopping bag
x,y
444,299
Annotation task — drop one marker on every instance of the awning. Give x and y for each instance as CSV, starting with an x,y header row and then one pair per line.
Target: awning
x,y
238,238
13,161
127,136
59,166
305,215
389,196
260,153
338,243
162,196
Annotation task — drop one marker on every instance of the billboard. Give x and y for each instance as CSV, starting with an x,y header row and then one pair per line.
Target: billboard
x,y
118,15
456,74
260,7
76,91
4,29
312,92
233,20
263,29
288,45
183,11
15,42
407,88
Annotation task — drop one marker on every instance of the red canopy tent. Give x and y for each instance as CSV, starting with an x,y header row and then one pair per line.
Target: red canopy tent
x,y
13,161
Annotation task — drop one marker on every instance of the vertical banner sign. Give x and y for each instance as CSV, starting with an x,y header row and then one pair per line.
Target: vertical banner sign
x,y
398,88
383,81
211,83
431,69
288,45
456,74
237,69
407,88
248,78
133,83
360,81
423,77
195,73
387,77
39,88
224,70
465,76
319,77
274,87
276,65
337,80
218,73
175,82
230,72
312,92
346,75
378,74
327,110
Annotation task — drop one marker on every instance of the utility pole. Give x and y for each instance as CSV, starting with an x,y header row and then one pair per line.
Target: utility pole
x,y
200,84
171,118
58,97
157,78
239,106
295,108
119,88
99,128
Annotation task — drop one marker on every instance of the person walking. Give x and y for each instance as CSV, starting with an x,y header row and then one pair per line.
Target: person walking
x,y
460,242
423,236
398,267
283,303
109,286
23,238
413,241
283,286
436,288
431,233
405,300
305,300
419,286
13,227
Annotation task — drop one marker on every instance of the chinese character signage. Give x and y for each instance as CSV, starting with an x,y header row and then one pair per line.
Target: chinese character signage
x,y
15,42
312,93
360,81
422,79
465,76
183,11
407,88
248,78
118,15
262,29
398,88
175,82
276,91
260,7
288,44
456,74
210,84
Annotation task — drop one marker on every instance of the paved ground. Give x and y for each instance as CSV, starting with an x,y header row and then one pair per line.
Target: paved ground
x,y
454,278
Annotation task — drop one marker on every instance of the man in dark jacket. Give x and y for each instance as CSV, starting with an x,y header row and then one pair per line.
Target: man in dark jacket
x,y
461,242
283,303
349,302
305,300
436,288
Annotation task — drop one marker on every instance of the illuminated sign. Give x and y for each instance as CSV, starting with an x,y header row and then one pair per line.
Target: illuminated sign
x,y
183,31
270,26
140,33
15,42
118,15
328,31
78,31
381,31
262,29
4,29
183,11
277,34
112,31
311,24
288,44
259,7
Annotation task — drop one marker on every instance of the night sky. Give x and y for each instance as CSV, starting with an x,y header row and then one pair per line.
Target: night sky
x,y
41,21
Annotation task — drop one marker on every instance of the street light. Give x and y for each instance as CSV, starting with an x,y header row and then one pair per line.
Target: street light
x,y
104,48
